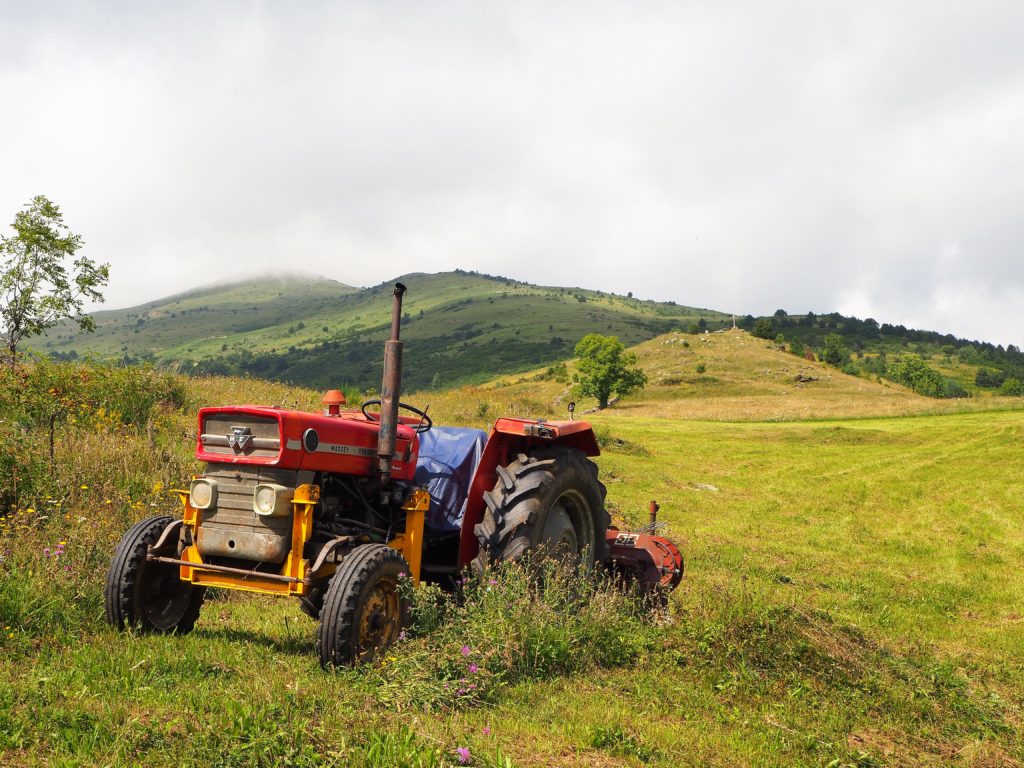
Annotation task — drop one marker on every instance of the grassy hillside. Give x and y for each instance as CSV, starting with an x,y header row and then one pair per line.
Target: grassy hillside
x,y
726,376
199,319
460,327
852,595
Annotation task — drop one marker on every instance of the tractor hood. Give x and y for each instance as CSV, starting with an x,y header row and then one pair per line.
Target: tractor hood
x,y
279,437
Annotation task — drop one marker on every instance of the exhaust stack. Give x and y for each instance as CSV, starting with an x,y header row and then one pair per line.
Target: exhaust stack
x,y
390,391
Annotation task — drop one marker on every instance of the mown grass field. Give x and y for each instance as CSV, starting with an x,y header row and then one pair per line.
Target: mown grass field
x,y
853,597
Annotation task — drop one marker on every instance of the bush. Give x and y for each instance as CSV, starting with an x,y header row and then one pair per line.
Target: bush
x,y
835,352
44,393
1012,388
955,390
988,378
763,328
913,372
55,414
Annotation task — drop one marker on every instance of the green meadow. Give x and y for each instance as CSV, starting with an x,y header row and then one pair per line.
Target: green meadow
x,y
854,592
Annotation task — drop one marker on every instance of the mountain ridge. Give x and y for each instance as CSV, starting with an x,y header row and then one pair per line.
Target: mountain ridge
x,y
460,327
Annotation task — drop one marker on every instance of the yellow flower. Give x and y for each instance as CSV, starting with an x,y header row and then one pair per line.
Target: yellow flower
x,y
84,487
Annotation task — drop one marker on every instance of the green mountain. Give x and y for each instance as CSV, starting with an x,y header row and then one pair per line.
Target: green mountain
x,y
459,327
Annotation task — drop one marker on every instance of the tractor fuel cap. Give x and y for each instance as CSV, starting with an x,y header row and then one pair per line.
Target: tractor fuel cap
x,y
310,440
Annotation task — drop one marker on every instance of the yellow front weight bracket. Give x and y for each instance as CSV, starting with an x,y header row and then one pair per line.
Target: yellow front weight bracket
x,y
290,579
410,542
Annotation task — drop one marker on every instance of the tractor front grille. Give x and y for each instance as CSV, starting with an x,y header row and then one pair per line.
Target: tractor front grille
x,y
232,528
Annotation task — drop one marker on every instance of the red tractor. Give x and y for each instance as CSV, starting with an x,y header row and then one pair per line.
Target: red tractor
x,y
337,507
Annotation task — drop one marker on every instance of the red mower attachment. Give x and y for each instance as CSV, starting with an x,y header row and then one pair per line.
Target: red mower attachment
x,y
651,562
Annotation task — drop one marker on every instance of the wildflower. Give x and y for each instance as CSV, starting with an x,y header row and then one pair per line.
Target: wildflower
x,y
401,636
84,487
487,730
465,650
493,582
463,753
401,574
473,669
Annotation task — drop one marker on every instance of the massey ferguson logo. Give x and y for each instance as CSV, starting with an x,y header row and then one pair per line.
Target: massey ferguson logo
x,y
240,438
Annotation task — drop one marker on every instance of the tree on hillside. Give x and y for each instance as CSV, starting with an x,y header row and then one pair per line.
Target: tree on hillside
x,y
764,329
42,281
835,352
1012,387
606,368
989,378
912,371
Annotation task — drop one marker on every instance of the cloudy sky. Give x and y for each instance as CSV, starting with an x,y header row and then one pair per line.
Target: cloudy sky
x,y
863,157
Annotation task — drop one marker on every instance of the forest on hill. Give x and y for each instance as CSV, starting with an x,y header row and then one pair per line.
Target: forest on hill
x,y
931,363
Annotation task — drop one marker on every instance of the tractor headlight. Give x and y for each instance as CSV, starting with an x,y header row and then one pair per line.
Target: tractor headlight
x,y
272,500
203,493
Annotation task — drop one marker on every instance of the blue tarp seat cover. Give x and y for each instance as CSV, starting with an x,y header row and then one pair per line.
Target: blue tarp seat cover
x,y
447,460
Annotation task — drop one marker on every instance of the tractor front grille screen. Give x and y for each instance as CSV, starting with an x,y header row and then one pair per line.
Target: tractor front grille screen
x,y
232,528
240,434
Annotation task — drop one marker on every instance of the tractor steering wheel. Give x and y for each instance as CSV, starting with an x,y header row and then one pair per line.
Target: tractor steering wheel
x,y
425,421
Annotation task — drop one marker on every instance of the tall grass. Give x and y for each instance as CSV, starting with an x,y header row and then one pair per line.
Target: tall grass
x,y
505,627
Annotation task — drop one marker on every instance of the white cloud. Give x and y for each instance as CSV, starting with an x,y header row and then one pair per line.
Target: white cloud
x,y
740,156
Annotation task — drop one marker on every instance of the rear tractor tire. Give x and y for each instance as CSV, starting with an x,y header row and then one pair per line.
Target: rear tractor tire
x,y
146,595
547,501
363,610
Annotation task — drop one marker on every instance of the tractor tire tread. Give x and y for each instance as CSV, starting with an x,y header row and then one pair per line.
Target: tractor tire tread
x,y
125,569
335,643
506,530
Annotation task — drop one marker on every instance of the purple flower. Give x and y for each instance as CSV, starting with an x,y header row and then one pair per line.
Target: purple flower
x,y
473,669
493,582
465,650
401,574
487,730
463,753
401,635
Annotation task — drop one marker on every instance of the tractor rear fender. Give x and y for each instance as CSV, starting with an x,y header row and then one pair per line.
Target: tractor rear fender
x,y
508,438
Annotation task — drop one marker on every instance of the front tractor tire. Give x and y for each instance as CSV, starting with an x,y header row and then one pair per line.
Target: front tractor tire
x,y
549,501
364,609
146,595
